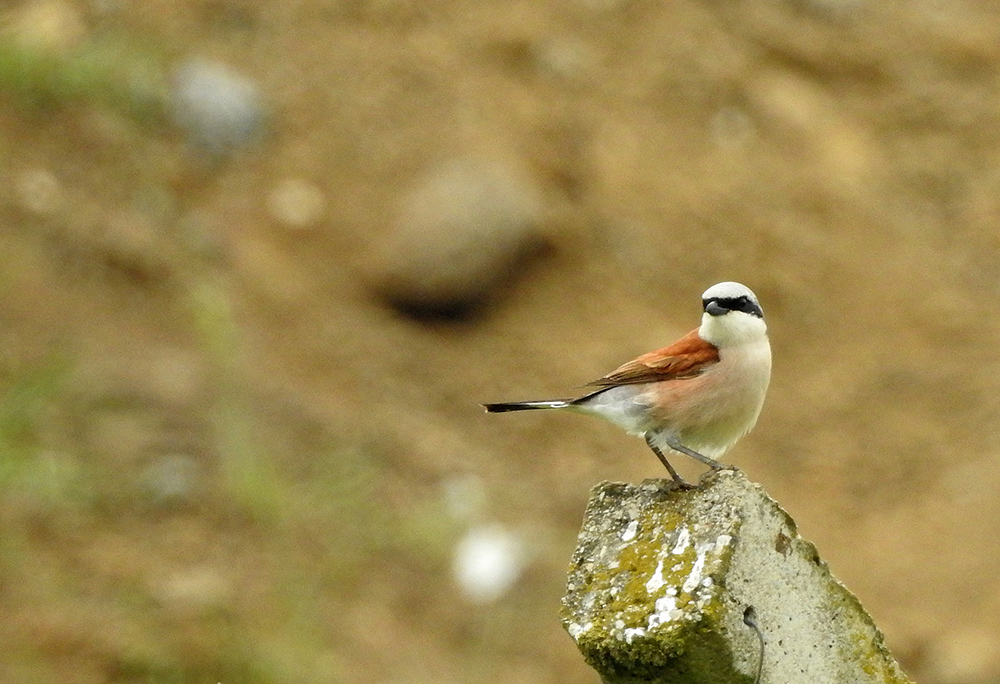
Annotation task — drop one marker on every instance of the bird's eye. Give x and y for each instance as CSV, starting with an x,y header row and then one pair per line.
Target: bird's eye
x,y
720,305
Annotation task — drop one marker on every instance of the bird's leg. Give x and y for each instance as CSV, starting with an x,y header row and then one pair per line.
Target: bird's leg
x,y
663,459
677,446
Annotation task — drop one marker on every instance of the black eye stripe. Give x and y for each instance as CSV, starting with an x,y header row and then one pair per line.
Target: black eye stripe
x,y
742,303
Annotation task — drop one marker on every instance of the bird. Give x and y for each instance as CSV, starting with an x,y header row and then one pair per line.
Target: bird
x,y
697,396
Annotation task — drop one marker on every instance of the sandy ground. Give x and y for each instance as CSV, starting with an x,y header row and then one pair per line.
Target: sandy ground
x,y
231,458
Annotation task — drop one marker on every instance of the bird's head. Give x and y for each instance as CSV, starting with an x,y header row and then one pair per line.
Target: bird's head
x,y
732,315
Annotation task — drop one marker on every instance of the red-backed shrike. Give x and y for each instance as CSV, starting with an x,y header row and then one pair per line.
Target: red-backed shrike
x,y
697,396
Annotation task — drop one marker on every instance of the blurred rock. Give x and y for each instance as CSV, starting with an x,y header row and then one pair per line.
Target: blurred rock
x,y
488,561
172,479
218,109
465,229
296,203
39,191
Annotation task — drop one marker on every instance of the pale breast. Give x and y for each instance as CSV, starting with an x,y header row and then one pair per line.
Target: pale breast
x,y
708,413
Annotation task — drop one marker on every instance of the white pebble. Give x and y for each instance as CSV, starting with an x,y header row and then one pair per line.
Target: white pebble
x,y
629,533
39,191
219,109
296,203
488,561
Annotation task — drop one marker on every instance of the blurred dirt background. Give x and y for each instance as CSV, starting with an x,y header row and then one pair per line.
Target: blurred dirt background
x,y
261,261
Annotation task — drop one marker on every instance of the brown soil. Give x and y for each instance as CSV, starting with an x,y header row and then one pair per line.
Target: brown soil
x,y
161,322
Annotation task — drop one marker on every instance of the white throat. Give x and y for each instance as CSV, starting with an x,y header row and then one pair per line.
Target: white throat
x,y
731,329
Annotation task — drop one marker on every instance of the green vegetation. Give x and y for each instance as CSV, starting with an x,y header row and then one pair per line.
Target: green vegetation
x,y
106,70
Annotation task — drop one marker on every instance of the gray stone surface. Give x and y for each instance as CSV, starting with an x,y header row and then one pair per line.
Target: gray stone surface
x,y
661,578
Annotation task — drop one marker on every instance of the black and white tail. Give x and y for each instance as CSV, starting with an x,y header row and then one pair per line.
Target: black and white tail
x,y
526,405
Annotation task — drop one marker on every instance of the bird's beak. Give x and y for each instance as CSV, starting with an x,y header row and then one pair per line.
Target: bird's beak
x,y
713,309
